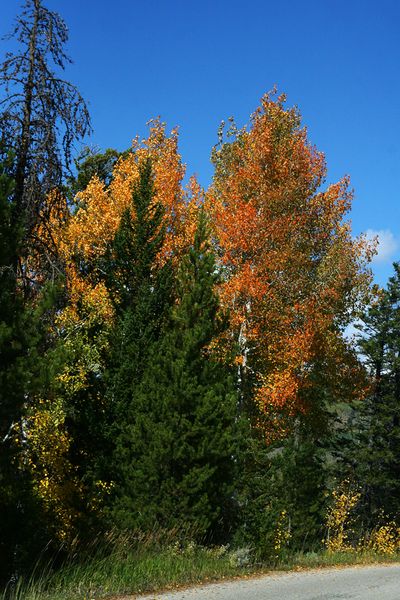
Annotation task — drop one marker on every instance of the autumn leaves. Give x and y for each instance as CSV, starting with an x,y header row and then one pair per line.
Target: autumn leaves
x,y
291,269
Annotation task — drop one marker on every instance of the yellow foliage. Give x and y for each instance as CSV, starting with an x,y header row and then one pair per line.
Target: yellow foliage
x,y
338,519
282,533
53,476
383,539
84,236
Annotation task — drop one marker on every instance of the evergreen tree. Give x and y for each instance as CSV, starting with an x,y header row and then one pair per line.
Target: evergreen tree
x,y
11,392
285,481
282,489
21,344
373,457
181,432
139,287
141,291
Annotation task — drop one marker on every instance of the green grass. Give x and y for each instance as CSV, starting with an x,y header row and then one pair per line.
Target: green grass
x,y
130,570
147,567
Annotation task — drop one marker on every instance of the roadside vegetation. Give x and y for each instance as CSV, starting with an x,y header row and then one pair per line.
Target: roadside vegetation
x,y
174,360
136,566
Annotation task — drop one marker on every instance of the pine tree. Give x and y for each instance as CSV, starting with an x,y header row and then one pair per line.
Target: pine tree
x,y
374,454
292,474
138,285
181,432
11,394
141,291
21,338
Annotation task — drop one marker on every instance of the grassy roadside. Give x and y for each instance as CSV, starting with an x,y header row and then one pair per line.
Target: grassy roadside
x,y
132,572
129,572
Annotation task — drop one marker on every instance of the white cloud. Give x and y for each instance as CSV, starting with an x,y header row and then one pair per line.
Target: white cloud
x,y
387,244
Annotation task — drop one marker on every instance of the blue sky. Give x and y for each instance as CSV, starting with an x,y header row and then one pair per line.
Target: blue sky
x,y
196,63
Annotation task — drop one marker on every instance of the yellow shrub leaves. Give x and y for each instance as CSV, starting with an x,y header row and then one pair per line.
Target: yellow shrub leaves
x,y
54,477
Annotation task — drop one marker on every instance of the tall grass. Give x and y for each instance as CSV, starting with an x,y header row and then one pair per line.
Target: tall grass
x,y
127,564
136,563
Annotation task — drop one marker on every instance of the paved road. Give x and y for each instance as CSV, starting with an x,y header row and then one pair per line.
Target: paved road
x,y
355,583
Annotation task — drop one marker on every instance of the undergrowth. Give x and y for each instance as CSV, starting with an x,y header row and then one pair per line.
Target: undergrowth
x,y
138,564
130,564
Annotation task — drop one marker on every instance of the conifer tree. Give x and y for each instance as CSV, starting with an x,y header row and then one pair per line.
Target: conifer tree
x,y
374,454
285,481
11,394
141,292
20,376
138,286
182,418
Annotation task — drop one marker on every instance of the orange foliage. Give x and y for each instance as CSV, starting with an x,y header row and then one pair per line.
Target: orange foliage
x,y
85,236
292,269
100,208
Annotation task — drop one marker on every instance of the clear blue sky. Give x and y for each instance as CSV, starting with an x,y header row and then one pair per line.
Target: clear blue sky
x,y
196,63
